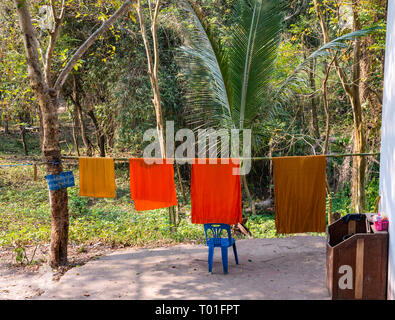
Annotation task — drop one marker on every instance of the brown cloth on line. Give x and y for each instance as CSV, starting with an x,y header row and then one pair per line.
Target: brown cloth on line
x,y
299,194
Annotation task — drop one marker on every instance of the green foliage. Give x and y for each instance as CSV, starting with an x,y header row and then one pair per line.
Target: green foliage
x,y
25,216
12,144
78,206
342,201
16,98
262,226
114,83
372,193
231,85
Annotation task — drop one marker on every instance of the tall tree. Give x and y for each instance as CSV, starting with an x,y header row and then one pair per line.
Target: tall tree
x,y
231,87
46,89
352,88
153,67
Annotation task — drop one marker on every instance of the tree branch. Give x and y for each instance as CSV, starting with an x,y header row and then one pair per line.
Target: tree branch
x,y
155,39
88,42
31,45
325,33
48,56
145,40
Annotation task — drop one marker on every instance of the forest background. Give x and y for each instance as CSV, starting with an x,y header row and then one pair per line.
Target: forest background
x,y
106,106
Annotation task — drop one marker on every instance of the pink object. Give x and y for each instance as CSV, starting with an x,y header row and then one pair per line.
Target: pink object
x,y
381,225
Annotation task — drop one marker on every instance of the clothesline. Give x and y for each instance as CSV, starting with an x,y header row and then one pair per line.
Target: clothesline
x,y
253,158
187,159
16,165
97,179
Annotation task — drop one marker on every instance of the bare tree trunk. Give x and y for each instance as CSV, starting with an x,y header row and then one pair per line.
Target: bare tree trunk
x,y
153,65
99,133
359,163
84,136
184,197
248,193
6,129
314,117
23,138
352,91
77,104
74,118
271,168
326,106
344,175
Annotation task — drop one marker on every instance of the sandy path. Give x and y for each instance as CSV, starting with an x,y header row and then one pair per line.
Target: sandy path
x,y
288,268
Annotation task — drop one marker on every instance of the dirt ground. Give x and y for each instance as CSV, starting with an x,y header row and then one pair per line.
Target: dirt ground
x,y
287,268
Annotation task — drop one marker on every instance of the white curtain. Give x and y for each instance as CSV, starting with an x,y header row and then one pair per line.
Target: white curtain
x,y
387,159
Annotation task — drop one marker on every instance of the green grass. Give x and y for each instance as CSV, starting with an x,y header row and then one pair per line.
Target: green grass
x,y
25,215
11,144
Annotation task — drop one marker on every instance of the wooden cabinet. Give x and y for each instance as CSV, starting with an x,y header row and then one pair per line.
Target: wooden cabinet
x,y
356,259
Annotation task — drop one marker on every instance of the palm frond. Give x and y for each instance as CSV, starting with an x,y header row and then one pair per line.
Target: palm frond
x,y
252,53
206,68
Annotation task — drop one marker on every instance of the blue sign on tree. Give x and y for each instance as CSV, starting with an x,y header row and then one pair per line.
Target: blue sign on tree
x,y
60,181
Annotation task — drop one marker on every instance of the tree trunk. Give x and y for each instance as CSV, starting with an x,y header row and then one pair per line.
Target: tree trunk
x,y
47,98
248,193
344,174
84,136
326,107
23,138
41,126
58,199
6,130
314,117
184,197
99,133
359,163
74,118
153,65
353,93
77,104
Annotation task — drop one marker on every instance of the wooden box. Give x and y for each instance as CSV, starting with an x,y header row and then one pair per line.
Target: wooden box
x,y
356,260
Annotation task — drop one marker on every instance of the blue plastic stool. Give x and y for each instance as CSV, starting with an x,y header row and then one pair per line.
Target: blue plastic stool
x,y
217,241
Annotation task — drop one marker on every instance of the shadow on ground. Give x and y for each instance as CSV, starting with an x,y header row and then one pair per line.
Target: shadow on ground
x,y
287,268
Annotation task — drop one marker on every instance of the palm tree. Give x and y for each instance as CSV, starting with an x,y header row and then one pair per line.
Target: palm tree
x,y
231,88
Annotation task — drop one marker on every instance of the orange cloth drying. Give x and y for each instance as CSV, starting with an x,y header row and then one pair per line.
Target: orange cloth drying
x,y
299,194
97,177
152,185
215,193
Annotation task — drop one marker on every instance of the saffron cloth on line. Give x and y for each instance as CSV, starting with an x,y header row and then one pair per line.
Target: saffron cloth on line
x,y
216,192
97,177
152,185
299,194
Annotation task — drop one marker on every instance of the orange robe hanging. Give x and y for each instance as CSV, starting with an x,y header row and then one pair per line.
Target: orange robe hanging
x,y
300,194
215,193
152,185
97,177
